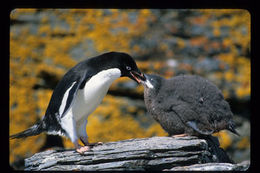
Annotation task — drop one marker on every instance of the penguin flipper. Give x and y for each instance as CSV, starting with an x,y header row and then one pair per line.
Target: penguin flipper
x,y
195,127
189,116
72,92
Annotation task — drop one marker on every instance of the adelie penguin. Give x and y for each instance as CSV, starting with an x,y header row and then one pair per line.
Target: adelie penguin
x,y
187,105
79,93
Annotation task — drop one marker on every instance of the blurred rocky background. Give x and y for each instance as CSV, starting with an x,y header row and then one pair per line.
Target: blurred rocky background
x,y
45,43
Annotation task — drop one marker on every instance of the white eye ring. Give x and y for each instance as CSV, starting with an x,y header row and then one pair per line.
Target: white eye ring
x,y
128,68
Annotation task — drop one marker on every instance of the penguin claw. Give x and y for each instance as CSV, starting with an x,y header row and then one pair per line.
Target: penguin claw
x,y
81,150
87,147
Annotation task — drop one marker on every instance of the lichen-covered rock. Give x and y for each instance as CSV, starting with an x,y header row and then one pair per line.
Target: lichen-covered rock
x,y
156,153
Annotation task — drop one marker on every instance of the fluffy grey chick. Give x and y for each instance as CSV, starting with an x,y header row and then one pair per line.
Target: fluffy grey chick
x,y
187,105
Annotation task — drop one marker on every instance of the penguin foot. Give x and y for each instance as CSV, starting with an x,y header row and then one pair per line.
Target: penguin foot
x,y
87,146
81,150
180,135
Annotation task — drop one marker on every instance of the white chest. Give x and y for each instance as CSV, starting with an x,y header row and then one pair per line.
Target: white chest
x,y
88,98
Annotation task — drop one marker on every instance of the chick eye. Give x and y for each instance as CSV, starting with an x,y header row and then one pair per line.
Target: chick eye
x,y
128,68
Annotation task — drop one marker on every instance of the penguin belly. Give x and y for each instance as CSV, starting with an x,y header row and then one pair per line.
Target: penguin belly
x,y
88,98
87,102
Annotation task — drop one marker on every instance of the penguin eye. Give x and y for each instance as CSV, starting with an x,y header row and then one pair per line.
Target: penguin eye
x,y
128,68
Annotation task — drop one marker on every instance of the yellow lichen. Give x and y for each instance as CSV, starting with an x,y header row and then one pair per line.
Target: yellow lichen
x,y
224,139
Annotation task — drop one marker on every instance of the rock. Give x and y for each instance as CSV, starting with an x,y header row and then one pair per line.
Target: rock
x,y
243,166
156,153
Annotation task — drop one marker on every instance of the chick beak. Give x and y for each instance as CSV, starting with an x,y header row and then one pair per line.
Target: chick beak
x,y
138,77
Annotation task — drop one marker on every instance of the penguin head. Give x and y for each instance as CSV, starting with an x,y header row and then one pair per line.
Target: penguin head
x,y
126,64
152,81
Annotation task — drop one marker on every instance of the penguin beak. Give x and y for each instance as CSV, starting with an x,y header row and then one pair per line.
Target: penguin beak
x,y
138,77
147,82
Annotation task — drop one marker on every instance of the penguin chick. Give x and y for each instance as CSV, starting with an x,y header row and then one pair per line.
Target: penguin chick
x,y
79,93
187,104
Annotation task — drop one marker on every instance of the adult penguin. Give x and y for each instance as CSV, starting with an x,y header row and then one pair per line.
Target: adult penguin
x,y
79,93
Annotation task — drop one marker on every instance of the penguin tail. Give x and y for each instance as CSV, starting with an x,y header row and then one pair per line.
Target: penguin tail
x,y
32,131
231,127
